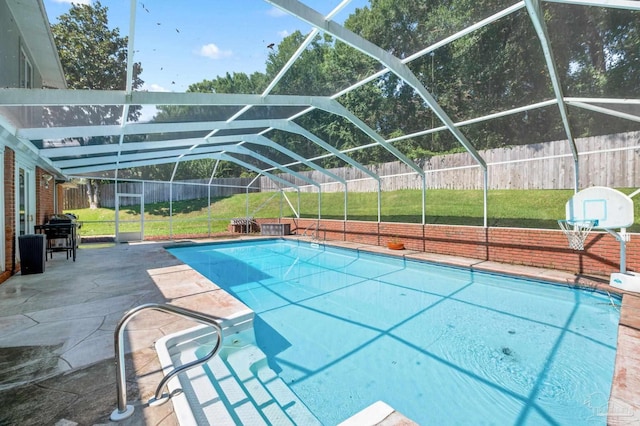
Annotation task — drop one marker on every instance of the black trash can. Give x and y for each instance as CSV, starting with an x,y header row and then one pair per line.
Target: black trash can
x,y
32,253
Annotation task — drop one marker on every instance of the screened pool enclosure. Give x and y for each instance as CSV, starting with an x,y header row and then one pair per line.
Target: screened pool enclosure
x,y
352,96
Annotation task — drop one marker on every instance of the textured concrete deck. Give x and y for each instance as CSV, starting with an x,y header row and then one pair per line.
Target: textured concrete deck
x,y
56,344
56,333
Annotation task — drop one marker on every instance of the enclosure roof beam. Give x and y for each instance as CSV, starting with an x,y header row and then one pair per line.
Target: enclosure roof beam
x,y
536,15
264,141
507,11
284,125
67,97
271,176
616,4
98,159
505,113
133,146
238,149
468,30
113,158
607,111
129,76
254,139
90,169
178,155
137,128
108,98
289,126
312,17
110,166
379,139
145,155
307,41
141,163
289,63
625,101
160,147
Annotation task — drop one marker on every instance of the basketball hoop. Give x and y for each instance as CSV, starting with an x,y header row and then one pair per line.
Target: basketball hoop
x,y
577,231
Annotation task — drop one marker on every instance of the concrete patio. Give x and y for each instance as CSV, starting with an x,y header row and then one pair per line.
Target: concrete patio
x,y
56,345
56,340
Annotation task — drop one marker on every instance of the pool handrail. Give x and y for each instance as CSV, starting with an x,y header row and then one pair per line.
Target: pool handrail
x,y
315,228
124,411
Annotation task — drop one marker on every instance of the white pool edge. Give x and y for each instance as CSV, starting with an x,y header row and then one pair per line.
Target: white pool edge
x,y
372,415
181,407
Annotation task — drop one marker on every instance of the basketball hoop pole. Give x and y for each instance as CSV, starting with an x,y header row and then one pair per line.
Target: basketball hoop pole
x,y
622,239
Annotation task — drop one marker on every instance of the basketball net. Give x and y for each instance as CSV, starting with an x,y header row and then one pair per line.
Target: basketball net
x,y
576,232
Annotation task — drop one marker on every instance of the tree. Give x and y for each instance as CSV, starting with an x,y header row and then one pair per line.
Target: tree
x,y
495,68
93,57
499,67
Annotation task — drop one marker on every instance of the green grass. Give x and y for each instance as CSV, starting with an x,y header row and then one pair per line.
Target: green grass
x,y
506,208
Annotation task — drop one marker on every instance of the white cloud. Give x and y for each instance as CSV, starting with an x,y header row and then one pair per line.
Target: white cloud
x,y
87,2
154,88
212,51
283,33
274,12
147,113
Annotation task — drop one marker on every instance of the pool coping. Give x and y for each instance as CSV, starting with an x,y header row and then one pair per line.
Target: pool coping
x,y
624,401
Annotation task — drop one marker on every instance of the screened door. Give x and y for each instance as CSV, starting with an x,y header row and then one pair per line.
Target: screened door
x,y
129,217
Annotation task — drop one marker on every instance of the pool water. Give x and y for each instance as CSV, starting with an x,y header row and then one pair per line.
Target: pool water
x,y
442,345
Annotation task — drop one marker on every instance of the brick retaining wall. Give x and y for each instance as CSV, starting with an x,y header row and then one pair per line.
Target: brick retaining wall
x,y
532,247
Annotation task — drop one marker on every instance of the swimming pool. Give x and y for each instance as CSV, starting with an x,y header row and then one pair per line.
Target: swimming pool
x,y
442,345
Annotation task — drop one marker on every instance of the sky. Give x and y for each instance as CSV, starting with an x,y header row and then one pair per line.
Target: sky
x,y
181,43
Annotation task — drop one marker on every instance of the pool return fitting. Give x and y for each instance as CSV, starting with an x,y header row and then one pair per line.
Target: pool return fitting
x,y
124,411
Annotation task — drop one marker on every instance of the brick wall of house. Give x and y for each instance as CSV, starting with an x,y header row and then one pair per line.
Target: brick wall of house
x,y
44,198
530,247
9,217
44,209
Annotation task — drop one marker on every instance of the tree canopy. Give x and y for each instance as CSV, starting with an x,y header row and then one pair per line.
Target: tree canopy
x,y
496,68
93,57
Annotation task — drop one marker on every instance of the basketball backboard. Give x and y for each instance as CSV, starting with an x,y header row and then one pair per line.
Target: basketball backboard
x,y
608,208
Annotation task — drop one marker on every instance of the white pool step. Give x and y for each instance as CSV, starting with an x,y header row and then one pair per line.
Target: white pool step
x,y
235,387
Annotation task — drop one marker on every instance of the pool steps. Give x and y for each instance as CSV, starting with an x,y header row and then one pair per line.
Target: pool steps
x,y
244,390
236,387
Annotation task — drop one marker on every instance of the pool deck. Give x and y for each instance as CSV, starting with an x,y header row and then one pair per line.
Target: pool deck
x,y
56,333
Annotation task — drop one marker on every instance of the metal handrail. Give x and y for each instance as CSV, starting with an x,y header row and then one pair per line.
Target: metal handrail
x,y
123,410
304,233
315,227
324,233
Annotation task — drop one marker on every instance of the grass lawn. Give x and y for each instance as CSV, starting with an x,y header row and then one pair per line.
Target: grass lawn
x,y
505,208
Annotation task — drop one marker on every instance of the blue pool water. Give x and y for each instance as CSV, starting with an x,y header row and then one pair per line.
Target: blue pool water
x,y
441,345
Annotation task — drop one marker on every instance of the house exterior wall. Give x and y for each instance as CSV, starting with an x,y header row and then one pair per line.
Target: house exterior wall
x,y
9,215
45,207
11,43
530,247
45,196
9,54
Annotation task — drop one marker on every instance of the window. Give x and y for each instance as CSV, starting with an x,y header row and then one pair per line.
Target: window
x,y
26,71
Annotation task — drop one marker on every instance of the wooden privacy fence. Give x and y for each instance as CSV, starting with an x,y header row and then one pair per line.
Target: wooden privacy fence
x,y
159,192
74,198
610,160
